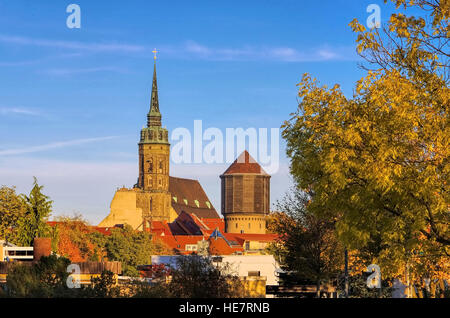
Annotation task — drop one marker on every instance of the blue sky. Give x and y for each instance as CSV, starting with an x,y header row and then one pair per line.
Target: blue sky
x,y
72,101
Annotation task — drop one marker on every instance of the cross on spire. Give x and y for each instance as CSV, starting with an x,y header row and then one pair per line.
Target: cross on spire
x,y
154,54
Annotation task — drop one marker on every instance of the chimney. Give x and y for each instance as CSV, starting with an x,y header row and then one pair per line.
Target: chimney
x,y
42,246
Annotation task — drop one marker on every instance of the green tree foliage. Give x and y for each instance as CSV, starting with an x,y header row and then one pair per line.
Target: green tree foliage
x,y
12,209
358,288
132,248
33,223
158,289
378,162
103,286
197,277
307,247
46,278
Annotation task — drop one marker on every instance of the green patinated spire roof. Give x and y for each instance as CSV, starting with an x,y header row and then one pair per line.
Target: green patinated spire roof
x,y
154,133
154,116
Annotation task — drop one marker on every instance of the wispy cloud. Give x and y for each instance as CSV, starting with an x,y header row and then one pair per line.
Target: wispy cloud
x,y
41,60
54,145
72,45
18,111
194,50
17,63
73,71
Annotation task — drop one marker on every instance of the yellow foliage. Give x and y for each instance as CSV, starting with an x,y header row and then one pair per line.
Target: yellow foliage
x,y
379,161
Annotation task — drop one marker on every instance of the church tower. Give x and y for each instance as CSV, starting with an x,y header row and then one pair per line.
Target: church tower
x,y
154,149
154,154
156,196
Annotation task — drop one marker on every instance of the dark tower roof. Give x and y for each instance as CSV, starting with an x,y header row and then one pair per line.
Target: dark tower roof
x,y
154,116
154,133
189,196
245,164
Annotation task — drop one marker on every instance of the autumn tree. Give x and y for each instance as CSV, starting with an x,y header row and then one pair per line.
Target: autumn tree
x,y
73,239
378,162
34,221
307,246
12,209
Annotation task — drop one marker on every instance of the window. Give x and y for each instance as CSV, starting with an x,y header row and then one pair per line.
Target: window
x,y
254,273
150,169
191,247
247,246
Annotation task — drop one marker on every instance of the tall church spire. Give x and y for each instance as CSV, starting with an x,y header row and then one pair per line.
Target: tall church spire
x,y
154,116
154,133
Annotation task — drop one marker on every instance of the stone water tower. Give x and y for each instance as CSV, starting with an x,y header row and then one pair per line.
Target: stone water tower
x,y
245,196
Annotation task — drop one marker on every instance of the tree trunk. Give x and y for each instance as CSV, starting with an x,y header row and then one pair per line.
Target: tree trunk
x,y
433,289
441,288
318,289
420,292
346,274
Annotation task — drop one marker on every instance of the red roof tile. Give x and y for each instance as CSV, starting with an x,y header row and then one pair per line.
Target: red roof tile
x,y
220,247
245,164
256,237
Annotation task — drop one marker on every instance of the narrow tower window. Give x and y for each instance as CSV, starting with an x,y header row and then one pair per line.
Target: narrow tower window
x,y
150,169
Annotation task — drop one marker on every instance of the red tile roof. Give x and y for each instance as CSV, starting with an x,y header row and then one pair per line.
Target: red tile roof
x,y
103,230
245,164
220,247
178,242
256,237
209,225
159,228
